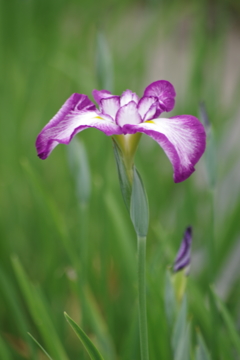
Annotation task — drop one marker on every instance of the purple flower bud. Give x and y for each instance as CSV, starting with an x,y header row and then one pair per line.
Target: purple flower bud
x,y
183,257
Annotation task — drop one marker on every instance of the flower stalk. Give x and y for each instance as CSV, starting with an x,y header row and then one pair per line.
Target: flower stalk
x,y
136,201
142,298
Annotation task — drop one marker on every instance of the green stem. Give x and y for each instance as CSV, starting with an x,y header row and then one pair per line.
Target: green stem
x,y
83,249
142,298
211,242
211,276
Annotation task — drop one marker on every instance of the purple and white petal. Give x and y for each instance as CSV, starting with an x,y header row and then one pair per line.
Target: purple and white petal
x,y
128,114
183,139
183,257
110,106
165,93
75,103
98,95
148,107
128,96
69,121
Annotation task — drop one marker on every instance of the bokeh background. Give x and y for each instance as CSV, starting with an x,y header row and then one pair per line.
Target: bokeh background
x,y
56,249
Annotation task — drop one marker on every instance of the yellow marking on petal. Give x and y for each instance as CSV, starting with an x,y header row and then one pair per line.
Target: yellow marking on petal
x,y
98,117
150,121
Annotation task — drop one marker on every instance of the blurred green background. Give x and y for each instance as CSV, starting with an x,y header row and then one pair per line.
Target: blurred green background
x,y
70,251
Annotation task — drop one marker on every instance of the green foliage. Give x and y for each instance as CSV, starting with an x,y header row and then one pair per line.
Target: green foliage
x,y
229,324
39,312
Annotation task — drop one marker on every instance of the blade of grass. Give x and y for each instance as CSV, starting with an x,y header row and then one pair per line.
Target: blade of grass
x,y
45,352
89,346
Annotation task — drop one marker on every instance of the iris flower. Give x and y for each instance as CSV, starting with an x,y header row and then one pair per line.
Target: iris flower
x,y
181,137
183,257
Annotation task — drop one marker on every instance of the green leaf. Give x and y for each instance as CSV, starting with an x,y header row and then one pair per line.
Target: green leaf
x,y
201,351
170,302
125,185
78,162
139,211
180,327
229,323
183,349
91,349
45,352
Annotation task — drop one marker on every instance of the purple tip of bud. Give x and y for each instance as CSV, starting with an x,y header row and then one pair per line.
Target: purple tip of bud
x,y
183,257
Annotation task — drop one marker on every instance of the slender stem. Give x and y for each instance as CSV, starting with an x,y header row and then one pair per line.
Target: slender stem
x,y
142,298
83,250
211,276
212,250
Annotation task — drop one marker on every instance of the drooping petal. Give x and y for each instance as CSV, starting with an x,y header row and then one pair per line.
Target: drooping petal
x,y
77,114
148,107
183,257
128,96
98,95
165,93
183,139
110,106
128,114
